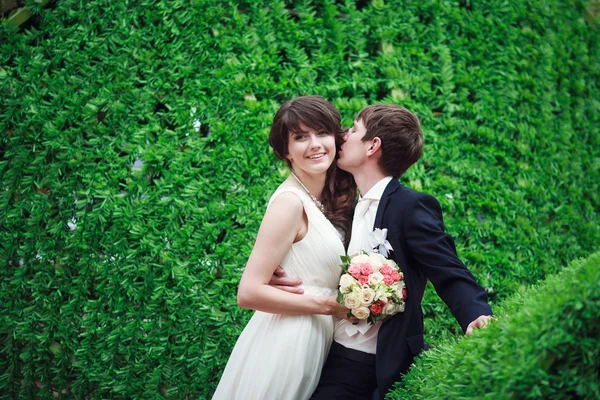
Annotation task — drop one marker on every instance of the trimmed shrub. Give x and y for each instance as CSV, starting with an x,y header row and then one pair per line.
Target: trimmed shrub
x,y
545,345
134,165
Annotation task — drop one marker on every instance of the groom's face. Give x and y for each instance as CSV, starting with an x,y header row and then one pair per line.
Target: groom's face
x,y
353,152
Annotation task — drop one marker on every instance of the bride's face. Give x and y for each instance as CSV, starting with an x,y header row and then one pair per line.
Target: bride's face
x,y
311,151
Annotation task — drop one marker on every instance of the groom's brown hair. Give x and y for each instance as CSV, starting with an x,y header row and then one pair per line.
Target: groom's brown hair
x,y
400,134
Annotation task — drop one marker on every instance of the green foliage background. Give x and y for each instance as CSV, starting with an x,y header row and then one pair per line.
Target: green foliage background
x,y
124,228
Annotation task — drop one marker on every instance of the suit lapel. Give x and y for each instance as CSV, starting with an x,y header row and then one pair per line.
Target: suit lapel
x,y
385,198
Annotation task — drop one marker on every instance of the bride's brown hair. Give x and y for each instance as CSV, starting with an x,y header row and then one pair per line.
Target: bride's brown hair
x,y
339,193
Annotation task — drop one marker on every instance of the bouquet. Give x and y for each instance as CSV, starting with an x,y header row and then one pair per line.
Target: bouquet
x,y
371,287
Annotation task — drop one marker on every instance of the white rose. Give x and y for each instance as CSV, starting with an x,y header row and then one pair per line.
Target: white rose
x,y
352,301
376,260
393,308
361,312
399,307
398,286
375,278
367,297
346,280
359,259
388,309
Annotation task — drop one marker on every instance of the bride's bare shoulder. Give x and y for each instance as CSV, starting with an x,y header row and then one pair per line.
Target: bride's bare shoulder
x,y
288,200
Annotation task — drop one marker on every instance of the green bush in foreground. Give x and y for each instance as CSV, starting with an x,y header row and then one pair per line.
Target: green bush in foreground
x,y
544,345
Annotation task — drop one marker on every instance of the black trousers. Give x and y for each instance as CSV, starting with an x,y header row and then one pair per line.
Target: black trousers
x,y
347,375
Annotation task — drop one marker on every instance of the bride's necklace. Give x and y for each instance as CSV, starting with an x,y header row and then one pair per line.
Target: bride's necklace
x,y
317,202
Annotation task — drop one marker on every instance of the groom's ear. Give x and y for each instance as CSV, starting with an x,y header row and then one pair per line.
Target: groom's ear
x,y
375,146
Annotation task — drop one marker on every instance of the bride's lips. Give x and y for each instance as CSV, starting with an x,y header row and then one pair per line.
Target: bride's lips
x,y
316,157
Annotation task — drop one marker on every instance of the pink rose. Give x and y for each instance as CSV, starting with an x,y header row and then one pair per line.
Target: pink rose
x,y
395,276
388,280
386,269
354,270
376,309
366,269
404,295
363,279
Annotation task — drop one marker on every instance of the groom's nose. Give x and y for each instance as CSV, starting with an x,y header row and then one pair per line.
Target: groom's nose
x,y
345,134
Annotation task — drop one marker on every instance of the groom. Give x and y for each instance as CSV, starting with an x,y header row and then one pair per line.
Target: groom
x,y
383,143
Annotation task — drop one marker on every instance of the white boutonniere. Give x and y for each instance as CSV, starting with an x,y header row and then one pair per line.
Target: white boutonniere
x,y
379,242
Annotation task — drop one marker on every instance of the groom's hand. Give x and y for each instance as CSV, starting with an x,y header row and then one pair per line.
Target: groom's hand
x,y
280,281
480,322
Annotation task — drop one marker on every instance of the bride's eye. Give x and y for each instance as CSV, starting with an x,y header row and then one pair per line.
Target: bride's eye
x,y
323,133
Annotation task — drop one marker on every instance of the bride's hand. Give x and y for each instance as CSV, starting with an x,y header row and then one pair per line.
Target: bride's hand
x,y
335,309
343,314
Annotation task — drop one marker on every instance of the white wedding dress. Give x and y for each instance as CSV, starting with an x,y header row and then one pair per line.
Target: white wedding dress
x,y
279,357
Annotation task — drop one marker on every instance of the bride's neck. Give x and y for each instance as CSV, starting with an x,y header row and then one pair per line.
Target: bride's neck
x,y
314,183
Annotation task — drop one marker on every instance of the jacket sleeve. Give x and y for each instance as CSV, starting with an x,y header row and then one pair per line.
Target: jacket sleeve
x,y
434,253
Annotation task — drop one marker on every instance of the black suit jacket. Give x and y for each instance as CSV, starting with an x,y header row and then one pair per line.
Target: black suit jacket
x,y
423,251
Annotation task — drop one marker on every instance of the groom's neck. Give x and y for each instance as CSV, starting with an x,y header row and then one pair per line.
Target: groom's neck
x,y
367,178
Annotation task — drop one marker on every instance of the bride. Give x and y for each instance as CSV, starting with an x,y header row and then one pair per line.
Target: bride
x,y
281,351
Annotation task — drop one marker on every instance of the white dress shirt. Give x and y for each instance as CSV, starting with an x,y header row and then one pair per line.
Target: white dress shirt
x,y
361,232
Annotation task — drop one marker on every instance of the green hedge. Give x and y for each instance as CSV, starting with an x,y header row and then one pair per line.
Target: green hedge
x,y
545,345
134,166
